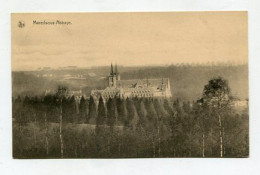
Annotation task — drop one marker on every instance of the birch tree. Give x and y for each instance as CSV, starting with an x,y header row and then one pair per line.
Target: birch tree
x,y
216,94
61,93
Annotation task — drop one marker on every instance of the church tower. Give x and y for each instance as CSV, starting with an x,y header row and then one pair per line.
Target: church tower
x,y
111,70
112,77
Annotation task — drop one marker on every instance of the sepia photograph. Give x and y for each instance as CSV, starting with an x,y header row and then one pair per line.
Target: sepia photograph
x,y
118,85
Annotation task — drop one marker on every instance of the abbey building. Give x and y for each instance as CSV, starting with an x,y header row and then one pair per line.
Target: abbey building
x,y
147,88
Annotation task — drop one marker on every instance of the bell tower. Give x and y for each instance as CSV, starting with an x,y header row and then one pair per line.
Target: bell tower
x,y
112,77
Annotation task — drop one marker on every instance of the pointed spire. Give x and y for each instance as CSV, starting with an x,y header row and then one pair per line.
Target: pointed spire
x,y
111,70
116,68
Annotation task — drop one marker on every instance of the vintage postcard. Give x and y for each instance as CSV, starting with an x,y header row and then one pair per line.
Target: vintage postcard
x,y
130,85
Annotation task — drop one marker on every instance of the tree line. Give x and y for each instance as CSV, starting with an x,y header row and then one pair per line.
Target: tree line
x,y
56,126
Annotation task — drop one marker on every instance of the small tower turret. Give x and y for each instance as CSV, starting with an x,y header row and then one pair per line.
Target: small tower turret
x,y
111,70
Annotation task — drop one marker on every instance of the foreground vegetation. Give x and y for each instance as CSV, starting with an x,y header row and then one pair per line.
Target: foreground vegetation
x,y
56,126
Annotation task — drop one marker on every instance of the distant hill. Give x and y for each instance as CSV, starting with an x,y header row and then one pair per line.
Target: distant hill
x,y
187,81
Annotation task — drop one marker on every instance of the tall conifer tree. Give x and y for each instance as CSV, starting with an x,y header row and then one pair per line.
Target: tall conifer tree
x,y
92,111
101,115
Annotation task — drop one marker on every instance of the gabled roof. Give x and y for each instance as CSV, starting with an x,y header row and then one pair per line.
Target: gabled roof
x,y
134,83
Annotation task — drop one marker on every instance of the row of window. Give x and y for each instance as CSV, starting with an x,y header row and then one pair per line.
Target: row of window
x,y
108,96
133,95
142,95
110,93
143,91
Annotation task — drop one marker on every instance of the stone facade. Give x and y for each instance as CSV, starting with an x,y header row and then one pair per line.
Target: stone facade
x,y
146,88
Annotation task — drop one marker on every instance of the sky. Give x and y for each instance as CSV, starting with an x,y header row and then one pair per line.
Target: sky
x,y
128,39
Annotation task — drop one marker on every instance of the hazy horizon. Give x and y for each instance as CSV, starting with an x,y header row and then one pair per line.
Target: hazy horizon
x,y
141,66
